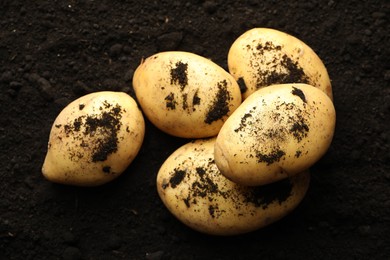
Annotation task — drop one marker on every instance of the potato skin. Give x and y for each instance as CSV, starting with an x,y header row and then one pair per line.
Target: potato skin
x,y
94,139
277,132
184,94
195,192
262,56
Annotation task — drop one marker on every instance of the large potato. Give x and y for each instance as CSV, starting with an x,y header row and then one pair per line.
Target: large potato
x,y
184,94
193,189
261,57
277,132
94,139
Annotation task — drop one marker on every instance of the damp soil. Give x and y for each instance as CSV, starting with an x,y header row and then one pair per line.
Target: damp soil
x,y
52,52
179,74
282,69
84,129
220,105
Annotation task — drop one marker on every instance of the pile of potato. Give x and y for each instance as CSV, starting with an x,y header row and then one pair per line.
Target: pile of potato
x,y
256,130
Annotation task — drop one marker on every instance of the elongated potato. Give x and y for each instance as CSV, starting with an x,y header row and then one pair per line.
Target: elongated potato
x,y
193,189
262,56
277,132
184,94
94,139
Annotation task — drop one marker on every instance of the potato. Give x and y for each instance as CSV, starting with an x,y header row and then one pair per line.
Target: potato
x,y
184,94
261,57
195,192
94,139
277,132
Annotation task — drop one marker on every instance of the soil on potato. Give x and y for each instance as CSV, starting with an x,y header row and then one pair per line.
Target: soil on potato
x,y
52,52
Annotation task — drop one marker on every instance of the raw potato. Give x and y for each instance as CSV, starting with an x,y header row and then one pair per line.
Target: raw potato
x,y
184,94
277,132
261,57
195,192
94,139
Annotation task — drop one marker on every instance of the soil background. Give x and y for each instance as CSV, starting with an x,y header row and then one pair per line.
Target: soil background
x,y
52,52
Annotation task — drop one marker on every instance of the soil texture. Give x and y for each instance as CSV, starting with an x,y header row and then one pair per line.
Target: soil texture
x,y
52,52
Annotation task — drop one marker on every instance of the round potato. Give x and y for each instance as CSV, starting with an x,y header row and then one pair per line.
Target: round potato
x,y
94,139
261,57
184,94
195,192
277,132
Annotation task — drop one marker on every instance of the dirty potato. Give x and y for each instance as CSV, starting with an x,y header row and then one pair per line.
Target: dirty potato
x,y
94,139
195,192
277,132
262,56
184,94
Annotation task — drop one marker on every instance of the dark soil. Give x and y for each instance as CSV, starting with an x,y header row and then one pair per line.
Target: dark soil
x,y
52,52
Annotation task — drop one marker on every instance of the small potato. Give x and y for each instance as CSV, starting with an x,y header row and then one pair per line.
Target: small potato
x,y
184,94
261,57
94,139
277,132
195,192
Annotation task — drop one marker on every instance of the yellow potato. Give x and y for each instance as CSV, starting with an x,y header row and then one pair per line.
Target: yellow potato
x,y
94,139
184,94
261,57
195,192
277,132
